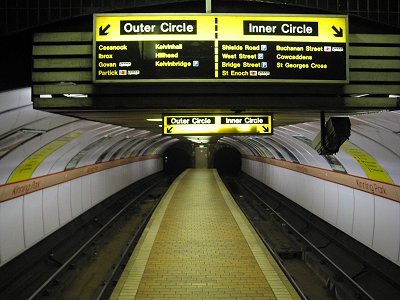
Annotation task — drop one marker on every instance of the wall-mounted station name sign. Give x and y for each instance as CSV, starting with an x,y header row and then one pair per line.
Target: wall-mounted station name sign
x,y
270,48
217,124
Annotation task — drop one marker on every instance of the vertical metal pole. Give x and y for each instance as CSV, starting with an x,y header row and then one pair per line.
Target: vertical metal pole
x,y
208,6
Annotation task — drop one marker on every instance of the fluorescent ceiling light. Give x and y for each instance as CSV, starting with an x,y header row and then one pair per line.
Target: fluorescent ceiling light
x,y
46,96
199,139
33,130
75,95
359,95
154,120
394,96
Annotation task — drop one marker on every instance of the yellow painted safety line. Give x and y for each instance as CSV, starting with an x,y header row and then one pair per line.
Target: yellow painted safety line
x,y
130,279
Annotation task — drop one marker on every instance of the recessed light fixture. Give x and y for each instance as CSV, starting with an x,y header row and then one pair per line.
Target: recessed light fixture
x,y
359,95
75,95
199,139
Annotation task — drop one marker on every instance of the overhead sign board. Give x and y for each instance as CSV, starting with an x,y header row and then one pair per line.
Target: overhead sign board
x,y
217,124
271,48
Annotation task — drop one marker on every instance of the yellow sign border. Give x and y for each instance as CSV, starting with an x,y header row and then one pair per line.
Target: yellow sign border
x,y
229,27
205,19
218,128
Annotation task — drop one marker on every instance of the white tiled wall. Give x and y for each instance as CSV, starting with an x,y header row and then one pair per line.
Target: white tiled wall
x,y
26,220
372,220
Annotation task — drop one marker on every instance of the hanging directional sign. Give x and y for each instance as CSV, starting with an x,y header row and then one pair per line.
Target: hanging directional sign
x,y
270,48
217,124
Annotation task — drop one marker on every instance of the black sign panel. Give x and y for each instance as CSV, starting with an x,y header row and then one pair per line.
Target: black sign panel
x,y
281,60
153,59
280,28
268,48
190,120
158,27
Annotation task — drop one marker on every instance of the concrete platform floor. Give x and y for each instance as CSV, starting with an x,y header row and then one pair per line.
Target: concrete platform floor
x,y
199,245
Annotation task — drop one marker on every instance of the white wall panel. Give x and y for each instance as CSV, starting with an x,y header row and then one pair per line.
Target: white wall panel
x,y
94,190
121,177
113,178
295,189
64,203
331,202
274,178
345,218
264,174
363,228
269,175
136,171
147,167
102,185
127,170
51,220
387,224
261,171
305,191
109,187
11,229
33,218
150,166
317,194
86,193
286,186
125,175
76,197
282,180
140,170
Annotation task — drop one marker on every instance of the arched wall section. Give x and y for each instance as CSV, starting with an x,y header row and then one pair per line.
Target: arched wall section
x,y
54,168
356,190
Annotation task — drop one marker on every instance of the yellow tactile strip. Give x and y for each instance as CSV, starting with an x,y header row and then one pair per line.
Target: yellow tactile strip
x,y
194,249
129,281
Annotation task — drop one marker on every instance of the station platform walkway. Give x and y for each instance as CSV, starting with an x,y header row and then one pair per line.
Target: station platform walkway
x,y
199,245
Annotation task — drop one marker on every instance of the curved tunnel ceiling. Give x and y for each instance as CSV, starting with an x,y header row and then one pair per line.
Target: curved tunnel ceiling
x,y
373,150
35,143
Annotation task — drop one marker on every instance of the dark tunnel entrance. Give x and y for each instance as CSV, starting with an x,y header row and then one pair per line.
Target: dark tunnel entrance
x,y
178,158
227,160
